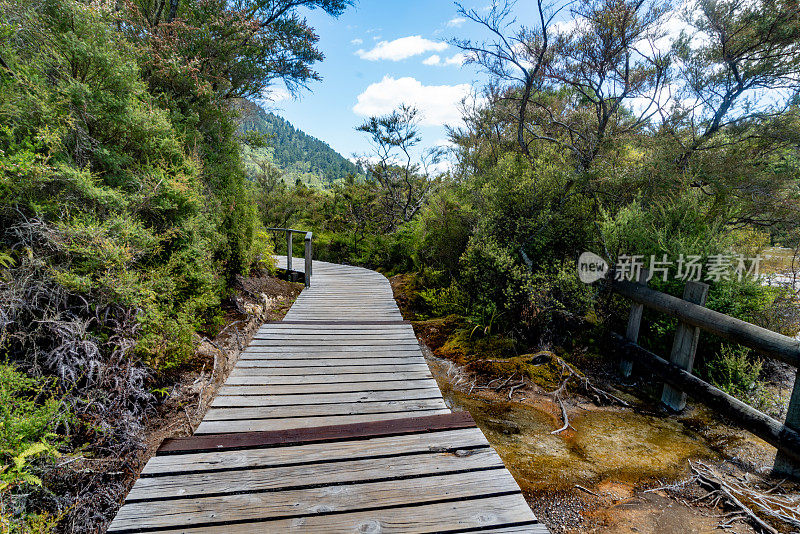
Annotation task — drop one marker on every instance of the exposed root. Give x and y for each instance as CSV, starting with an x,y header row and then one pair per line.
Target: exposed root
x,y
598,394
564,416
677,486
746,501
587,490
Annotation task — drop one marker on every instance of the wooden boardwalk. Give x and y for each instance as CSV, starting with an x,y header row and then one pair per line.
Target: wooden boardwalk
x,y
330,422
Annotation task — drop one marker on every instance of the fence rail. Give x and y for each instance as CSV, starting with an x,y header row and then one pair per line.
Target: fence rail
x,y
308,255
693,317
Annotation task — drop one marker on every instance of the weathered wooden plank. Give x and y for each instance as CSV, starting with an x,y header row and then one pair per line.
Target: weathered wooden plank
x,y
351,301
376,334
338,327
524,528
313,398
760,339
322,410
341,323
634,323
322,378
355,339
405,366
310,501
272,353
354,346
308,366
321,307
406,444
333,363
262,425
784,464
344,334
365,316
468,514
684,345
327,317
450,421
321,389
277,478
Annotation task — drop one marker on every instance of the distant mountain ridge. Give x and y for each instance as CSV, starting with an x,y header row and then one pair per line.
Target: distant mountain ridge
x,y
297,154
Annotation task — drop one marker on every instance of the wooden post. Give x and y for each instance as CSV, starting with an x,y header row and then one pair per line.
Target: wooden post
x,y
309,256
685,345
632,332
784,466
289,250
766,342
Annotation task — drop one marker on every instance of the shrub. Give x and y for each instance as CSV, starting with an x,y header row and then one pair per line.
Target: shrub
x,y
442,232
263,251
495,285
734,370
444,301
30,417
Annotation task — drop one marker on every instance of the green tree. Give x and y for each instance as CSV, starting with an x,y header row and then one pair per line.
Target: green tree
x,y
405,183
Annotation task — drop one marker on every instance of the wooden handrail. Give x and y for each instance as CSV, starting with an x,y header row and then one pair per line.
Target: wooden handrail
x,y
677,372
308,253
294,231
760,339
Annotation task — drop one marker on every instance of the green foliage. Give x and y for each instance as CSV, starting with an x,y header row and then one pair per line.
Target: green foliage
x,y
494,283
6,260
263,251
18,474
29,420
127,205
444,301
442,232
297,155
735,371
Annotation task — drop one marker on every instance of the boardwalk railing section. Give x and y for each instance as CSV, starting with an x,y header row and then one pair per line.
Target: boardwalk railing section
x,y
693,317
308,256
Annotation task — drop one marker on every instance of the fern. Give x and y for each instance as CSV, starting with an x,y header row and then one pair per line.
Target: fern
x,y
18,473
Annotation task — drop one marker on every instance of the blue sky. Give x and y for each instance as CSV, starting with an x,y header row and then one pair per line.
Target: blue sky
x,y
379,54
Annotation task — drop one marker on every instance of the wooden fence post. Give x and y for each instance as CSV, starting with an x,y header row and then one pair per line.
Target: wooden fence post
x,y
309,256
288,250
685,345
783,465
634,322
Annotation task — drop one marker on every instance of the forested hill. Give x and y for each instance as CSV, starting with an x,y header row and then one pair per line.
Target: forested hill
x,y
297,154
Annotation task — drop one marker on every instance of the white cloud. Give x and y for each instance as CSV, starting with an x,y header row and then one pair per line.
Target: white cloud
x,y
566,27
456,60
438,103
456,22
276,94
402,48
357,42
435,60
